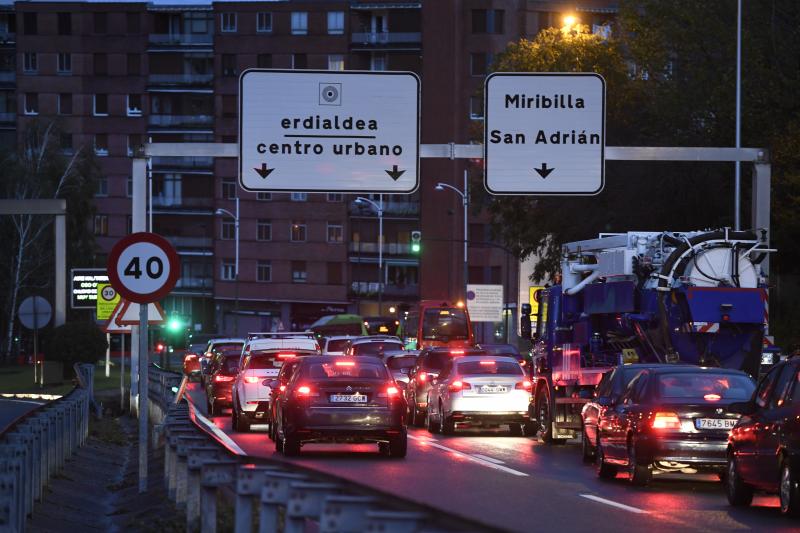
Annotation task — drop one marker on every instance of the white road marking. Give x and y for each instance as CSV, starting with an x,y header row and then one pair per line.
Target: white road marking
x,y
613,503
476,458
218,433
487,458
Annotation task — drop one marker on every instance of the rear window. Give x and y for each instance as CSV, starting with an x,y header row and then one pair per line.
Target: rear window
x,y
375,348
346,369
500,349
228,347
436,360
695,386
396,363
264,359
337,345
500,368
230,365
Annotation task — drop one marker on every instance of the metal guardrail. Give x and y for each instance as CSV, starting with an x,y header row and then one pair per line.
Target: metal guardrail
x,y
35,447
200,462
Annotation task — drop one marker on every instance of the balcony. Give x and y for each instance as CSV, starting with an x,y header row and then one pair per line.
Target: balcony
x,y
7,37
397,208
370,288
183,164
190,242
181,79
389,248
8,76
183,202
181,121
6,118
195,283
386,40
191,39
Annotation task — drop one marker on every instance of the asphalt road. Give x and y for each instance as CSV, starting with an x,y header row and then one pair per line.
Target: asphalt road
x,y
11,409
519,484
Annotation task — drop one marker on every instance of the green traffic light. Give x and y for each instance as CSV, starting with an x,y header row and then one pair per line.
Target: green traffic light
x,y
415,248
174,324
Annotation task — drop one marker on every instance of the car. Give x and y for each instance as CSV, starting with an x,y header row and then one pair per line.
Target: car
x,y
763,450
278,386
606,395
479,391
675,418
375,345
333,399
400,363
429,362
505,349
336,345
217,345
219,382
191,361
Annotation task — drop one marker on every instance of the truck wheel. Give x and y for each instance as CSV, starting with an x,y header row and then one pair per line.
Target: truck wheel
x,y
639,475
545,418
739,493
604,470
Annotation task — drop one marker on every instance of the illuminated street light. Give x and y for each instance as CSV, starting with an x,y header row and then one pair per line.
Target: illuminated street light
x,y
569,21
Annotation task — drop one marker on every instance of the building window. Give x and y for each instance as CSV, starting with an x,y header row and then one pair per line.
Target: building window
x,y
101,224
298,231
30,62
476,107
335,197
229,65
100,105
228,22
487,20
264,196
31,104
335,22
64,23
264,271
134,64
229,188
129,187
299,274
336,62
299,23
335,233
299,61
101,144
377,62
264,60
30,23
479,63
228,230
128,224
100,23
227,270
100,64
299,196
102,186
334,273
65,104
134,105
65,140
264,230
133,23
134,144
64,63
264,22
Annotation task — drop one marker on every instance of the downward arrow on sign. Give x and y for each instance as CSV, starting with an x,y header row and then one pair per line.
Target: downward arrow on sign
x,y
394,173
263,171
544,171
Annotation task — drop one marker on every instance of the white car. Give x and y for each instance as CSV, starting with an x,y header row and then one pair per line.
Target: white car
x,y
479,391
261,360
336,345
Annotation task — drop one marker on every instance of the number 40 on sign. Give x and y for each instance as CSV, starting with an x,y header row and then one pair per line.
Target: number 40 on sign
x,y
143,267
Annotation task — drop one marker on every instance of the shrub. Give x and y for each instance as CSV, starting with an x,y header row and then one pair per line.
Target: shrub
x,y
75,342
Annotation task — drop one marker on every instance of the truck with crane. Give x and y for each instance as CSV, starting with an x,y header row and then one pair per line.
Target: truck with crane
x,y
695,297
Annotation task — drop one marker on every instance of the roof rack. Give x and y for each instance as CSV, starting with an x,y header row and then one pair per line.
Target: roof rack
x,y
282,334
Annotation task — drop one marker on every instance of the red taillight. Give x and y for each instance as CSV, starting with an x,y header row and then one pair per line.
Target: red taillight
x,y
392,391
422,376
282,388
523,385
666,421
304,391
219,378
456,352
712,397
251,379
159,347
286,355
345,363
458,385
191,356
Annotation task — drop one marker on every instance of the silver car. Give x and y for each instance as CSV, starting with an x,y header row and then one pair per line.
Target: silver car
x,y
479,391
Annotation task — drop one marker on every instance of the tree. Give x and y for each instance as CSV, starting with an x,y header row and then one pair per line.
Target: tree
x,y
40,169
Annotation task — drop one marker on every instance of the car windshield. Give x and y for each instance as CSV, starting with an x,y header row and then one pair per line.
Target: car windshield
x,y
445,323
396,363
695,386
346,369
337,345
230,365
489,366
375,348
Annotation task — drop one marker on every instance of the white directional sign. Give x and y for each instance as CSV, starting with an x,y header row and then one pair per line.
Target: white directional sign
x,y
544,134
328,131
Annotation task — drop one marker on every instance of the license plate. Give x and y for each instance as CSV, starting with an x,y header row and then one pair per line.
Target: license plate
x,y
488,389
348,398
714,423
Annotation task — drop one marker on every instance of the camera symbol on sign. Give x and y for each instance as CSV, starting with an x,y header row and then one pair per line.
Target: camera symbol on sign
x,y
330,94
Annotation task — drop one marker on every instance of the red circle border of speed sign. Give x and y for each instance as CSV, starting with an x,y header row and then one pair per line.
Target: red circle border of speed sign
x,y
152,238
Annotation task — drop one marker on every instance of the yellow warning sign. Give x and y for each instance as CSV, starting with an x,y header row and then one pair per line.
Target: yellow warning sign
x,y
107,299
534,300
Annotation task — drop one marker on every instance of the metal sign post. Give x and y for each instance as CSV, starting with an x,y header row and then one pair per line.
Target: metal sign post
x,y
143,408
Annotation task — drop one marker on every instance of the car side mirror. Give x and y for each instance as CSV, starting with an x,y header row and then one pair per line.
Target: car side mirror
x,y
742,408
606,401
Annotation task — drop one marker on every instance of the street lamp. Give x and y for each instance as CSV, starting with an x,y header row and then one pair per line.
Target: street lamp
x,y
465,202
379,208
220,211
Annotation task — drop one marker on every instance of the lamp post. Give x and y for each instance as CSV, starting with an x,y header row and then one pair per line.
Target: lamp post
x,y
379,208
465,202
235,217
737,200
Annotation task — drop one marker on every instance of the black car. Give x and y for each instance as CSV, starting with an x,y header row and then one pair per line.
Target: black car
x,y
219,383
673,419
764,446
606,395
278,386
337,399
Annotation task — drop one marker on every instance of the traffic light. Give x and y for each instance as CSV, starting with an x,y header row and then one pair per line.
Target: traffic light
x,y
174,324
416,237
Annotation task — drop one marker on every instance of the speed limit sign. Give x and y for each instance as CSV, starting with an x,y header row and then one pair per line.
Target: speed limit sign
x,y
143,267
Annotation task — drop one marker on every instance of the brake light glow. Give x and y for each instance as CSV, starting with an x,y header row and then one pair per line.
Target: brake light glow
x,y
712,397
459,385
392,391
251,379
422,376
666,421
286,355
219,378
282,388
523,385
456,352
304,390
191,356
489,363
345,363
